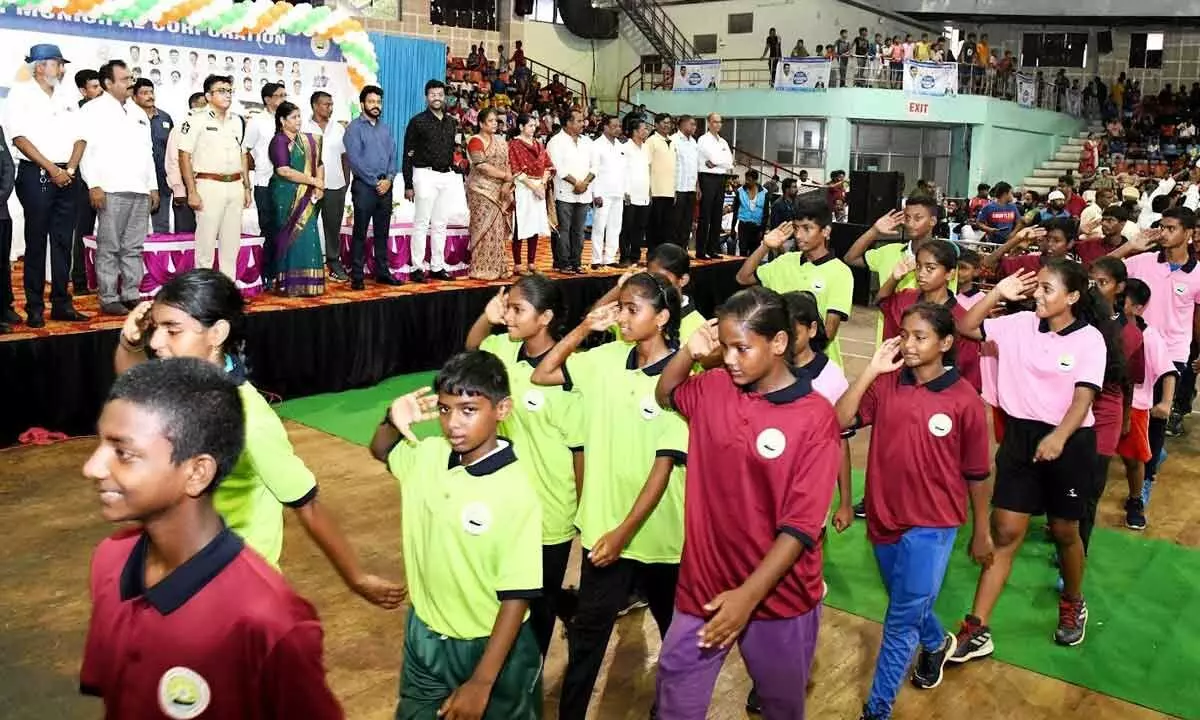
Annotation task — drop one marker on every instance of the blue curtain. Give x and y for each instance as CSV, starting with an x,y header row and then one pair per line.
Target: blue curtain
x,y
405,65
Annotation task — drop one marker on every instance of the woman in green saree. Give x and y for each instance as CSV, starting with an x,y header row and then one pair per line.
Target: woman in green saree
x,y
296,189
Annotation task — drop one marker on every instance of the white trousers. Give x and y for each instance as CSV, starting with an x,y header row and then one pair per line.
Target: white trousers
x,y
432,195
606,230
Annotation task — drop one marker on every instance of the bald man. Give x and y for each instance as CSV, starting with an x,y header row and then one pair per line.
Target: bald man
x,y
715,165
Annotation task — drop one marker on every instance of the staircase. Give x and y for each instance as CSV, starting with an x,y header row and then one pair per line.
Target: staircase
x,y
659,30
1045,177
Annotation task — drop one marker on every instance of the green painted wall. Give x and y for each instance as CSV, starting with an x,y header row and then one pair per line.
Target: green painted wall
x,y
1006,141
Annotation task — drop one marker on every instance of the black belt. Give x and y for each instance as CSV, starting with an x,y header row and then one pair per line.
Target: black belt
x,y
426,167
39,167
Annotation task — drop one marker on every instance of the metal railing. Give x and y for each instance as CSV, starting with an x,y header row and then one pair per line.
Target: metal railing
x,y
866,72
659,29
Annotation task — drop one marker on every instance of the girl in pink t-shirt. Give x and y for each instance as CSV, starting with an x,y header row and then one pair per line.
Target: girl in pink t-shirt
x,y
1051,364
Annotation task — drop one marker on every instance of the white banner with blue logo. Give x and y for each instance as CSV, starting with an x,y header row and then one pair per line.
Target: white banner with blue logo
x,y
1026,90
927,78
696,75
802,74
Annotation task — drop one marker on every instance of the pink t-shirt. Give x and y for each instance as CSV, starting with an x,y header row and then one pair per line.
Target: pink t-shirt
x,y
1173,298
826,377
1039,369
989,372
967,300
1158,364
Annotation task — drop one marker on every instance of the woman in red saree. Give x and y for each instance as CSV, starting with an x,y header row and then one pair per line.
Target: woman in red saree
x,y
489,198
1090,157
531,167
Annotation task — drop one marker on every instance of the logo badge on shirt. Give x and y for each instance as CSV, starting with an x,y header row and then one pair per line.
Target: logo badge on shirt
x,y
1066,362
818,284
771,443
940,424
1180,289
650,408
183,694
476,518
534,400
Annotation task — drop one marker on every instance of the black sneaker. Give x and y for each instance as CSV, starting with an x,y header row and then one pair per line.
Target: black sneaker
x,y
974,641
440,275
634,603
1072,621
417,276
928,673
860,509
1135,514
753,704
1175,425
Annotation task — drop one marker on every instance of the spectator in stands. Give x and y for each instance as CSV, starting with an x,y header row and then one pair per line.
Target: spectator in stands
x,y
1056,207
799,51
896,62
784,209
841,49
980,200
518,57
570,152
998,218
967,58
835,189
1074,203
773,50
861,50
922,50
662,183
749,204
687,168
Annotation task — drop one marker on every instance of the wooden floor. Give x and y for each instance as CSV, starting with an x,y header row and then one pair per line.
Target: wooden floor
x,y
51,523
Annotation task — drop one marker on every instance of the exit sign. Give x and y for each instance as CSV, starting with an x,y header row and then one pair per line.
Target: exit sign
x,y
918,108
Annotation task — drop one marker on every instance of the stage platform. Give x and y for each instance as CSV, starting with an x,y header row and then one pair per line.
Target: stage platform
x,y
56,377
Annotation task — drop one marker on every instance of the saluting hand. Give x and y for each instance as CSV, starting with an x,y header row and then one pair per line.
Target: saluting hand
x,y
703,341
775,239
603,317
407,410
889,223
496,307
136,322
886,358
1017,286
906,265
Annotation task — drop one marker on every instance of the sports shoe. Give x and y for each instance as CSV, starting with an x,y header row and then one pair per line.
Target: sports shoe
x,y
868,715
1147,488
1175,425
635,603
974,641
1072,621
1135,514
928,672
860,509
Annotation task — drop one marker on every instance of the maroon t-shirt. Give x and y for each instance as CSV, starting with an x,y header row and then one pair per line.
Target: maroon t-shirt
x,y
1029,262
966,350
1076,205
222,636
763,465
1108,407
1089,251
927,442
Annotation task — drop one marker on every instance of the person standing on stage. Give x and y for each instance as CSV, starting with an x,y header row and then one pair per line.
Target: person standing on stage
x,y
88,83
662,184
687,166
260,129
185,217
371,153
216,174
428,177
609,192
716,164
333,157
161,125
118,164
571,152
49,144
8,179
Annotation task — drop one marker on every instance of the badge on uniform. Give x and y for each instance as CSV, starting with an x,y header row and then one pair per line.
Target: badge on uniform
x,y
166,125
185,127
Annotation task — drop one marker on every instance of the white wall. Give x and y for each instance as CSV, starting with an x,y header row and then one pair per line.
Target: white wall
x,y
599,63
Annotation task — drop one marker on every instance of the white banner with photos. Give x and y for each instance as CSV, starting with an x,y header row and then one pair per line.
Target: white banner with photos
x,y
1026,90
696,75
930,79
802,74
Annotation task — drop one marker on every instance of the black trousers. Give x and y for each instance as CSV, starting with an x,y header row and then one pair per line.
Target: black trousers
x,y
1185,386
749,236
708,226
50,215
543,611
685,210
661,225
633,232
1087,523
160,220
265,206
185,216
568,248
602,594
376,210
6,293
85,224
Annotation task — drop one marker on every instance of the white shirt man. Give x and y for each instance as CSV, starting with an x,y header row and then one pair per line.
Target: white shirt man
x,y
333,204
572,156
608,193
687,169
118,166
714,155
716,163
260,129
637,166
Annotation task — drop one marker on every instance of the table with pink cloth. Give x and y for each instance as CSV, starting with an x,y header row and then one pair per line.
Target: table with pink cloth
x,y
167,255
400,255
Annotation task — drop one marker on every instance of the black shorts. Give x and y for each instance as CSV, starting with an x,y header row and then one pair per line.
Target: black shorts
x,y
1058,488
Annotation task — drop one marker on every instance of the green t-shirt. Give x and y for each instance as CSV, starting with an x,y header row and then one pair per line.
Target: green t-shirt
x,y
828,279
882,260
626,431
545,423
472,536
268,475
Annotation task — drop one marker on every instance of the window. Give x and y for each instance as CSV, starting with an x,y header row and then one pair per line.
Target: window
x,y
1054,50
545,11
788,143
741,23
1146,50
916,151
471,14
705,44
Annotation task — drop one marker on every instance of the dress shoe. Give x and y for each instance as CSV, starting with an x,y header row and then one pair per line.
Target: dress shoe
x,y
440,275
338,273
387,280
10,317
111,308
5,328
70,314
81,291
358,285
36,320
131,304
417,276
596,266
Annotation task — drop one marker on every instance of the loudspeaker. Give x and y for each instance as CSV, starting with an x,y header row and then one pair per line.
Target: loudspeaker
x,y
873,195
523,7
1104,41
587,22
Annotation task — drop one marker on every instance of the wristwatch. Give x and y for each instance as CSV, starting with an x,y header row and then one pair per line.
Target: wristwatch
x,y
71,171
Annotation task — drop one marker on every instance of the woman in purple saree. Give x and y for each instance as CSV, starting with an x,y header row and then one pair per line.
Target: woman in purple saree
x,y
296,189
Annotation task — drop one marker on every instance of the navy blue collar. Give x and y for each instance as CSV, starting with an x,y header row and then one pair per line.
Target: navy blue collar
x,y
815,367
975,290
653,369
938,384
1044,326
821,261
796,390
499,459
1187,267
184,582
534,361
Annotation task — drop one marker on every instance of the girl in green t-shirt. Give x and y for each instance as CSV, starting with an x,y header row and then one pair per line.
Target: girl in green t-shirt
x,y
199,314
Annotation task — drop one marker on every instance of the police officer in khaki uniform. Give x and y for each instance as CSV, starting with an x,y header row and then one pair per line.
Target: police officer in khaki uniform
x,y
216,174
